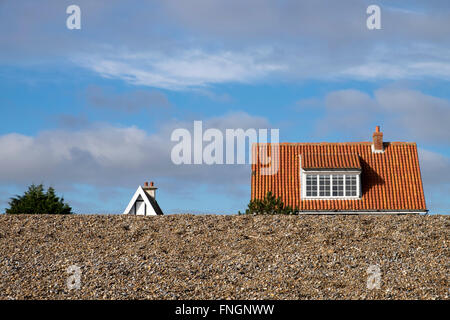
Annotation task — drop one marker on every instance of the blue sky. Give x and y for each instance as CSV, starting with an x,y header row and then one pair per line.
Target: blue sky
x,y
90,111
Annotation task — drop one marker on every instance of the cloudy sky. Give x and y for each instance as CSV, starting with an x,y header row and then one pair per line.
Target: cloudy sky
x,y
91,111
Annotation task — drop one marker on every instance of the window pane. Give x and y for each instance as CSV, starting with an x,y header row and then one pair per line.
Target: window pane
x,y
350,186
324,185
311,185
338,185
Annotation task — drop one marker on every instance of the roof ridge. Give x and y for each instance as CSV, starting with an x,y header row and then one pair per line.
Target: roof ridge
x,y
335,143
332,154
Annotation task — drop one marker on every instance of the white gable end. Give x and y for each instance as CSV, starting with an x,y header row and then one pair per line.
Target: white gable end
x,y
140,205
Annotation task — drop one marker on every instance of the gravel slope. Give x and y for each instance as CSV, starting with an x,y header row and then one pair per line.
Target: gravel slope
x,y
224,257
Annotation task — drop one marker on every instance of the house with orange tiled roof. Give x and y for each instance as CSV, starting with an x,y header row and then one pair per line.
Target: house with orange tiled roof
x,y
375,177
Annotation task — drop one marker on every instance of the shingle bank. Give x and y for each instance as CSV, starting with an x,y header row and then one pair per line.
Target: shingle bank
x,y
224,257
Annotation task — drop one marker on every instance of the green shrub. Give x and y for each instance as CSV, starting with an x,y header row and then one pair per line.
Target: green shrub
x,y
269,205
36,201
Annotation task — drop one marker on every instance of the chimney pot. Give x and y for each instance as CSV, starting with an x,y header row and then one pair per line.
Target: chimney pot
x,y
150,189
146,184
377,140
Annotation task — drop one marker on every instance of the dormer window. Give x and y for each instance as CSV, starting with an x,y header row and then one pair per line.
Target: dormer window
x,y
331,185
330,177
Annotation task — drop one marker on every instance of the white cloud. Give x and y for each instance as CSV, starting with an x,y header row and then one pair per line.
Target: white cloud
x,y
349,99
199,68
107,155
396,70
191,68
374,71
404,113
175,45
394,61
420,116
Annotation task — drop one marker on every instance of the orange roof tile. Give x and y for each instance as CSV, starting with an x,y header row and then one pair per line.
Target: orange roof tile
x,y
330,161
390,181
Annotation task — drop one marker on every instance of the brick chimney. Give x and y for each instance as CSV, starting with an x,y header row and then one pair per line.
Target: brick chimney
x,y
377,145
150,189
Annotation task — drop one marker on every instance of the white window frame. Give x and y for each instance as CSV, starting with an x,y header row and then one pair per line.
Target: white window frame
x,y
330,173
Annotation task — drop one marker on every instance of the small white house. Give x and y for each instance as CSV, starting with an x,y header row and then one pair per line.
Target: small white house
x,y
143,202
